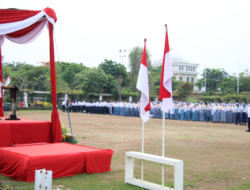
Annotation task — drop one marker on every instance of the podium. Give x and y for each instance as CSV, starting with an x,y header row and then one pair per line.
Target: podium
x,y
13,96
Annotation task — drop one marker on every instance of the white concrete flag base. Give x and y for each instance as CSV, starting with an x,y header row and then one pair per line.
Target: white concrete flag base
x,y
43,180
129,170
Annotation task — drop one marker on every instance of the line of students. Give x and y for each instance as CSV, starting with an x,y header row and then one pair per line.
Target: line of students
x,y
214,112
103,107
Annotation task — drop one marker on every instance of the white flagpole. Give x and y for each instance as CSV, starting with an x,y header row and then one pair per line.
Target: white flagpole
x,y
163,146
205,76
238,89
142,149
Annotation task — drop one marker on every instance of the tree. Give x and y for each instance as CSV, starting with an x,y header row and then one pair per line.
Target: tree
x,y
175,83
244,81
117,70
185,89
154,78
135,57
213,78
71,70
119,86
21,79
92,80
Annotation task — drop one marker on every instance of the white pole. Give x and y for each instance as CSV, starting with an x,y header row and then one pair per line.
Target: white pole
x,y
238,89
122,57
163,146
205,77
142,150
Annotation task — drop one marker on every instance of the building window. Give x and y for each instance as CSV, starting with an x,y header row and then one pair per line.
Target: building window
x,y
192,79
186,68
187,79
194,69
189,68
181,68
180,78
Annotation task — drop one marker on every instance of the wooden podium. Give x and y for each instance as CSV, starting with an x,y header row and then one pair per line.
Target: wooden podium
x,y
13,96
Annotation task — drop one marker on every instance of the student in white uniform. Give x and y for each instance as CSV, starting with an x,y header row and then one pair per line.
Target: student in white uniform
x,y
248,111
63,105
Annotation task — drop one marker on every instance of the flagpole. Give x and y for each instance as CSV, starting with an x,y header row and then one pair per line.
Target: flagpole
x,y
163,146
238,88
142,149
205,76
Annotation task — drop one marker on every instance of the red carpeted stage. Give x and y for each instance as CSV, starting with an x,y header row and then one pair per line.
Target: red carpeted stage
x,y
24,131
45,151
64,159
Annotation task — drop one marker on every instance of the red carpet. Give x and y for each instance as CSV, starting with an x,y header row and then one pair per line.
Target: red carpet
x,y
64,159
24,131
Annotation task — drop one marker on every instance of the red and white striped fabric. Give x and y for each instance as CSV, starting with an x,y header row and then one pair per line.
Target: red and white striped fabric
x,y
165,93
24,26
142,85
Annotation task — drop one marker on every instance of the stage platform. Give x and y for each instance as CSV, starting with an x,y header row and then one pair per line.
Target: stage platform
x,y
24,131
64,159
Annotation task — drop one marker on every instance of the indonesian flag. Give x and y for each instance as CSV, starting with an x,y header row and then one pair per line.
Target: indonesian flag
x,y
7,82
142,85
165,93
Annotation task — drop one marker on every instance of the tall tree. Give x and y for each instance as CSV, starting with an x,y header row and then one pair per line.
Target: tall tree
x,y
92,80
135,56
71,70
154,81
213,78
117,70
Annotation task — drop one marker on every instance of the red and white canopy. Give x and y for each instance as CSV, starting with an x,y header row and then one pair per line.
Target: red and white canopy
x,y
22,27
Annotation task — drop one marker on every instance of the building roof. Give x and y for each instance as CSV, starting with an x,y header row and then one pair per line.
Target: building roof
x,y
174,55
175,59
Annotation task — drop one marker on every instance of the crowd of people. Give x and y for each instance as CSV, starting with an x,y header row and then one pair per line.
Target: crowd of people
x,y
185,111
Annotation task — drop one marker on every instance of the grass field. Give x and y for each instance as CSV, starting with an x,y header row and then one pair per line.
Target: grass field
x,y
216,156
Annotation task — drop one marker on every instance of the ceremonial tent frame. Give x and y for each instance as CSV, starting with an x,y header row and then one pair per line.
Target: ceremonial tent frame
x,y
23,27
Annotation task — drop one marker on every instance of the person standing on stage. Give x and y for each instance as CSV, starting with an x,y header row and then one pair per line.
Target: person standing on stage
x,y
63,105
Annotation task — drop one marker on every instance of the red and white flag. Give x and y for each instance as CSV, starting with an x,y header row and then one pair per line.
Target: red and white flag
x,y
7,82
142,85
165,93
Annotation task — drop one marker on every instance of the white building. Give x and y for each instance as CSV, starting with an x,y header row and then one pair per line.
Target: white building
x,y
183,70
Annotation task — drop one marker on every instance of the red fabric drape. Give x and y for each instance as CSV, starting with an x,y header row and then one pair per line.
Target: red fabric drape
x,y
24,31
51,13
9,15
56,125
1,79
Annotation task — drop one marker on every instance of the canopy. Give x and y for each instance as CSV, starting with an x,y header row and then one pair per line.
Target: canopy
x,y
23,27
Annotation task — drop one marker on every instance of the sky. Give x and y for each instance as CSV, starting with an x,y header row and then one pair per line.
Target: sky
x,y
212,32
